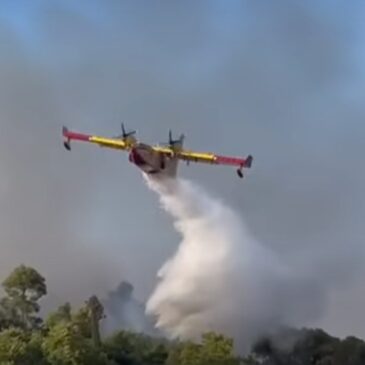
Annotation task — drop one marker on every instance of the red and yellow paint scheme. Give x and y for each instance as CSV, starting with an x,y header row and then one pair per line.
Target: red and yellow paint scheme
x,y
156,159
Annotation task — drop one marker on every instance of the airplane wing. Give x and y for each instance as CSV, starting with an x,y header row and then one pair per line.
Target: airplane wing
x,y
115,143
215,159
209,158
127,141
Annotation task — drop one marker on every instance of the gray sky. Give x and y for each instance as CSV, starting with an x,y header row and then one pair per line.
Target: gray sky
x,y
282,80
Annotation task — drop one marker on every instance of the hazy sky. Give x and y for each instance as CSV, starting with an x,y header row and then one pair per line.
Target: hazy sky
x,y
283,80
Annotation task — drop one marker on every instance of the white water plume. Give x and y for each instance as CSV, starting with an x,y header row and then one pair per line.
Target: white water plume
x,y
220,277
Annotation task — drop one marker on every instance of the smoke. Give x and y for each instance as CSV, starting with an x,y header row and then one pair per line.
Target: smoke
x,y
221,278
124,311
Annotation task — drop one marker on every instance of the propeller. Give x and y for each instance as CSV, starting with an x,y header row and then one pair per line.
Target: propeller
x,y
172,141
127,134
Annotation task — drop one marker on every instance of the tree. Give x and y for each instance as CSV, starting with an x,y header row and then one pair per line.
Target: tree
x,y
87,319
20,348
127,348
120,348
8,315
157,355
62,314
24,287
351,351
190,354
65,345
301,347
214,349
217,347
96,313
81,319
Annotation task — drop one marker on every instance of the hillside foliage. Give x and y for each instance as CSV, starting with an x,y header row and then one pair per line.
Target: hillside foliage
x,y
72,337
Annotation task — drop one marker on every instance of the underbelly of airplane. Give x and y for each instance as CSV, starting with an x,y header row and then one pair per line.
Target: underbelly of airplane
x,y
152,162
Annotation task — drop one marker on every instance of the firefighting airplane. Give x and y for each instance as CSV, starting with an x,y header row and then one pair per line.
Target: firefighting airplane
x,y
157,159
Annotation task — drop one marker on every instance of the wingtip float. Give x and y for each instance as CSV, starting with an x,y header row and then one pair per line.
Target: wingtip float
x,y
156,159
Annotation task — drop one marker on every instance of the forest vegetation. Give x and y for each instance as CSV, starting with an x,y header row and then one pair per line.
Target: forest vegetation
x,y
72,337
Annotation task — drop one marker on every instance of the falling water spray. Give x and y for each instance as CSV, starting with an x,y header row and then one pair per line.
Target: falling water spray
x,y
220,278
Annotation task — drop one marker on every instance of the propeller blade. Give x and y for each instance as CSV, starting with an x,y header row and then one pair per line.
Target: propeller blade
x,y
172,142
127,134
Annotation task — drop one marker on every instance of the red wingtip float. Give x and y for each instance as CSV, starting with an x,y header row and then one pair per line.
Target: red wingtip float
x,y
157,159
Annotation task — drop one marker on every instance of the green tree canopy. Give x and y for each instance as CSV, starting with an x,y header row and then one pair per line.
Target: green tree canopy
x,y
69,338
65,345
20,348
127,348
96,314
62,314
24,287
214,349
